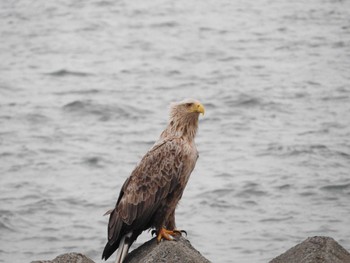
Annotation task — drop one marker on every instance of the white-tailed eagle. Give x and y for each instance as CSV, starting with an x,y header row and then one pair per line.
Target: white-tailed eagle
x,y
150,195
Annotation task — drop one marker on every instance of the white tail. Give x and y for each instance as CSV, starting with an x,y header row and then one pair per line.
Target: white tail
x,y
123,248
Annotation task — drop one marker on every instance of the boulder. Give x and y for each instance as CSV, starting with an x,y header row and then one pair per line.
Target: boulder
x,y
67,258
316,249
177,251
313,250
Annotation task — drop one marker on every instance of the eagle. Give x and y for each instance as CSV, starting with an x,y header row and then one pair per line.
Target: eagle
x,y
148,198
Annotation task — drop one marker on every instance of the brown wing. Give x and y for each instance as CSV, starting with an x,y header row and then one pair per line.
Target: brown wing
x,y
151,181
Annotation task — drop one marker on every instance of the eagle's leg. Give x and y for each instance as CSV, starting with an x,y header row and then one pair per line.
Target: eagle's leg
x,y
170,224
168,231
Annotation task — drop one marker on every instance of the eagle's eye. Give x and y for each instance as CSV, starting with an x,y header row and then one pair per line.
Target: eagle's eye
x,y
189,105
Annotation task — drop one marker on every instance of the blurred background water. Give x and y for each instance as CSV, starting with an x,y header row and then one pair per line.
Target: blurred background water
x,y
84,92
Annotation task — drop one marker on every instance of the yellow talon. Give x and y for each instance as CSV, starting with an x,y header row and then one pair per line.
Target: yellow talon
x,y
167,234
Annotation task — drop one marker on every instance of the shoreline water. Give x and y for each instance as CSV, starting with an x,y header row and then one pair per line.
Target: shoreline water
x,y
85,90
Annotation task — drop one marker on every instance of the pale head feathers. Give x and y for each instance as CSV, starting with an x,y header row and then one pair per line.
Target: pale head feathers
x,y
185,107
183,119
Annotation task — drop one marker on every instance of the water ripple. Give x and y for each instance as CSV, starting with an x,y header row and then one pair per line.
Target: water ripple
x,y
67,73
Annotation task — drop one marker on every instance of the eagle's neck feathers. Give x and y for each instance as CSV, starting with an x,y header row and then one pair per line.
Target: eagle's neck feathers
x,y
182,125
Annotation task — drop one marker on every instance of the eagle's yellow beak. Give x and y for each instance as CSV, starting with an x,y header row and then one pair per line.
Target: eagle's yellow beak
x,y
198,107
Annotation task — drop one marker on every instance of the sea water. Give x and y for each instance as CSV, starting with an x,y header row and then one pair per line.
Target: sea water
x,y
85,88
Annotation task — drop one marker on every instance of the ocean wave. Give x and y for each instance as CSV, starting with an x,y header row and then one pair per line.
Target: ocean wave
x,y
336,187
249,193
250,101
36,118
5,226
276,219
65,73
296,150
77,202
104,112
94,161
90,108
44,204
79,92
169,24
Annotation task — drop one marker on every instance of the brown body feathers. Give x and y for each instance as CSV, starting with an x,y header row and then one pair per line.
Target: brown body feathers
x,y
150,195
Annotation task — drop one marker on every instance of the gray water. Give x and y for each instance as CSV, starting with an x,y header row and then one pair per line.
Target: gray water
x,y
84,92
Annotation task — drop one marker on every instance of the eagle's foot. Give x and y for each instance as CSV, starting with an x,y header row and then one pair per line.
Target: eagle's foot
x,y
179,232
169,234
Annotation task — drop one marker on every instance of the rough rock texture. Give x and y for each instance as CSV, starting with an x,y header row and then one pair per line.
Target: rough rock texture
x,y
67,258
312,250
179,251
315,250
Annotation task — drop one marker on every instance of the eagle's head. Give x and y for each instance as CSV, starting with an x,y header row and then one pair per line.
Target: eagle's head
x,y
183,119
187,107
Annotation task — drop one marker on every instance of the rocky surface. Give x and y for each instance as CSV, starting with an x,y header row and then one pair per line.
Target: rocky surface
x,y
179,251
315,250
67,258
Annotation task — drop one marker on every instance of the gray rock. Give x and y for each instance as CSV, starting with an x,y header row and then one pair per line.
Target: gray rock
x,y
315,250
67,258
177,251
312,250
